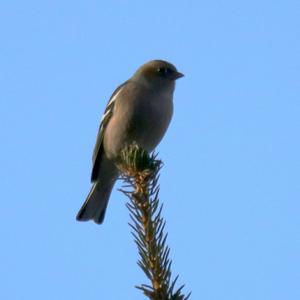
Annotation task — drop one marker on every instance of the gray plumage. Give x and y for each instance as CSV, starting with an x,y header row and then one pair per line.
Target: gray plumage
x,y
140,111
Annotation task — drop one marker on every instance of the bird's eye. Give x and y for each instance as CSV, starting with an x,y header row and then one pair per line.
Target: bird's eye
x,y
162,71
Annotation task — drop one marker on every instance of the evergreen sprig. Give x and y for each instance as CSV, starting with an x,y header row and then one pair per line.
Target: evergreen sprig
x,y
140,172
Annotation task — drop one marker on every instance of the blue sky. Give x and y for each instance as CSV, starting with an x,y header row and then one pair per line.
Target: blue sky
x,y
230,184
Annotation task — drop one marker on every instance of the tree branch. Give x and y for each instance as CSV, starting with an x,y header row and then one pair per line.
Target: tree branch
x,y
140,172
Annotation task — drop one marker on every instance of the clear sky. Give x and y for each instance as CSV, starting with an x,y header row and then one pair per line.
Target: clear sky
x,y
230,184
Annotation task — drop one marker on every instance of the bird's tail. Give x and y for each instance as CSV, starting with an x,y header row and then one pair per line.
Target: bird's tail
x,y
95,204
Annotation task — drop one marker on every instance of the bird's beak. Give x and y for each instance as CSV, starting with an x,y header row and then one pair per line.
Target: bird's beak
x,y
177,75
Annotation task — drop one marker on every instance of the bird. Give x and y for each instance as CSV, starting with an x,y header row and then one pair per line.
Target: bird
x,y
139,111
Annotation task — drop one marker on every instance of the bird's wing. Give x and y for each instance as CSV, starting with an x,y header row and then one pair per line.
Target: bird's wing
x,y
98,150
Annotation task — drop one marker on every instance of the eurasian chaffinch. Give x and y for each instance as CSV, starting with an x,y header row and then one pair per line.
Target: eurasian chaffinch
x,y
139,111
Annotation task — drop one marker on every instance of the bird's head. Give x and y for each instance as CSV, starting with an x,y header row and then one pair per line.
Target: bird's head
x,y
158,73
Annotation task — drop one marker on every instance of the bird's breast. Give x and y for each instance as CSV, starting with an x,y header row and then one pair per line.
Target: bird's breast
x,y
150,121
142,118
